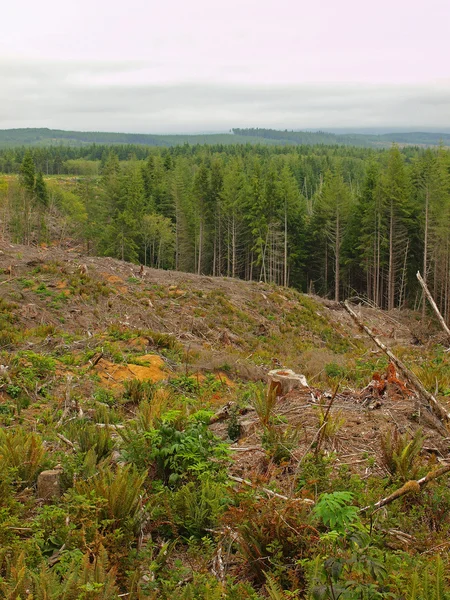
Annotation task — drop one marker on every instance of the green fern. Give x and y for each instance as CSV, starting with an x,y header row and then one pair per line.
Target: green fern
x,y
400,453
196,507
24,452
90,437
122,491
264,402
335,511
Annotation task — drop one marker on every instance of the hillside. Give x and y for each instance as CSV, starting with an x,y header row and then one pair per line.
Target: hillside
x,y
174,474
10,138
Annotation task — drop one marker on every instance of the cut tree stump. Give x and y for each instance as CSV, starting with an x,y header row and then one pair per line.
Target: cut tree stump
x,y
285,380
48,484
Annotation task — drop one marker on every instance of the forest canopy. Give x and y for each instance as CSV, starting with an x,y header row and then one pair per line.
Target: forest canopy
x,y
335,220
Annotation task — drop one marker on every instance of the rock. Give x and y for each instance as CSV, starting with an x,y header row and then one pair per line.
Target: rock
x,y
285,380
49,485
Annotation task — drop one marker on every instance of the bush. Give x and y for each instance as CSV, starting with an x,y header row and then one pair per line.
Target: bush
x,y
121,490
400,453
24,452
196,507
273,535
178,449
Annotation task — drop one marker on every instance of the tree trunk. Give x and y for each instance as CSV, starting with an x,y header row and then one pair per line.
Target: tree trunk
x,y
285,278
337,259
200,247
425,250
391,274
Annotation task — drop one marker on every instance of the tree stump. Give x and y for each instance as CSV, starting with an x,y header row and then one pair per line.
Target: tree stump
x,y
48,484
285,380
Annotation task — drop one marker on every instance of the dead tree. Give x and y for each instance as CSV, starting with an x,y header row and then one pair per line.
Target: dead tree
x,y
433,304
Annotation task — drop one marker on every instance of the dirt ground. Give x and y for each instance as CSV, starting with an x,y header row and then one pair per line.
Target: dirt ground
x,y
357,443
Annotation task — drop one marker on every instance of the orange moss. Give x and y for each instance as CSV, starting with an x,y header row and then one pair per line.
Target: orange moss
x,y
112,278
113,376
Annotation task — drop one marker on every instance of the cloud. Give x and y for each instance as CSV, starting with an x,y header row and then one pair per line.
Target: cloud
x,y
107,96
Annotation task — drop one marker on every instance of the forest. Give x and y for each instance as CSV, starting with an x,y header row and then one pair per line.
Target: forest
x,y
47,138
337,221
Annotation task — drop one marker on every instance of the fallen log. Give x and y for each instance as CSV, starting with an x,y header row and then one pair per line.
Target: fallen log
x,y
441,413
433,304
408,488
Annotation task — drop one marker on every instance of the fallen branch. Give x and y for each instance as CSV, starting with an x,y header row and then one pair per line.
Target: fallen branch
x,y
66,441
408,488
433,304
247,449
267,491
441,413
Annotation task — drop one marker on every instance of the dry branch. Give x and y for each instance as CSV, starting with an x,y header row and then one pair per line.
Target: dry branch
x,y
266,490
441,413
433,304
66,441
408,488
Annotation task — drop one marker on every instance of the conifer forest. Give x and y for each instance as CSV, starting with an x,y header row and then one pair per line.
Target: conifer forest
x,y
337,221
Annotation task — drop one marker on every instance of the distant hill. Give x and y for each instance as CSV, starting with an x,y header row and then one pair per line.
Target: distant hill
x,y
53,137
347,139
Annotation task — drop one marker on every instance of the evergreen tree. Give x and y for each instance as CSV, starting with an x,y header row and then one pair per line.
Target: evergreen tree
x,y
28,173
40,191
395,190
334,204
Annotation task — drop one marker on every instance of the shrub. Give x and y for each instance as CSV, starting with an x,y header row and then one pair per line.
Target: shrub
x,y
90,437
177,448
272,535
24,452
196,507
400,453
121,489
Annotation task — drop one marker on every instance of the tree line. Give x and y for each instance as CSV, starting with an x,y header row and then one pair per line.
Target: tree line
x,y
337,221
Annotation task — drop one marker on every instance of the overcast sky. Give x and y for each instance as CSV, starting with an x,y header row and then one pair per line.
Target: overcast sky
x,y
203,65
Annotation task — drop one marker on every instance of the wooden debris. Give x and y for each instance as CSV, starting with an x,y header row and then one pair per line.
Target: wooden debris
x,y
408,488
285,380
267,491
223,413
66,441
48,484
441,413
95,359
433,304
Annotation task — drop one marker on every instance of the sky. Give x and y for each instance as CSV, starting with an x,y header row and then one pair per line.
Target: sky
x,y
150,66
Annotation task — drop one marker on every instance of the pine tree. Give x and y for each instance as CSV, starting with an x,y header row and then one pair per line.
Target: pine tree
x,y
334,204
371,228
395,191
28,173
40,191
